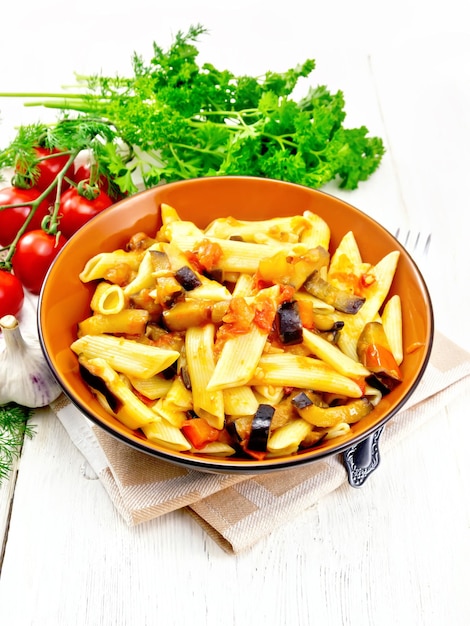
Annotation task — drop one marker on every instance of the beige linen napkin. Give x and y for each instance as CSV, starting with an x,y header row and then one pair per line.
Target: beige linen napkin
x,y
237,511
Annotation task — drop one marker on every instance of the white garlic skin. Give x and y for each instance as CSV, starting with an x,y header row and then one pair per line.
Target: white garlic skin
x,y
25,377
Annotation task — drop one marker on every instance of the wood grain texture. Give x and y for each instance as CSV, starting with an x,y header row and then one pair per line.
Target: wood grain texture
x,y
398,549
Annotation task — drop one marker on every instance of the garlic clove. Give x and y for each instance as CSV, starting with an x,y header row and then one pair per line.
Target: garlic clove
x,y
25,377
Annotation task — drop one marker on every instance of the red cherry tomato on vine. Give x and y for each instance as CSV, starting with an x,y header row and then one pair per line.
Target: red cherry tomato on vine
x,y
11,220
49,164
75,210
83,173
33,256
11,294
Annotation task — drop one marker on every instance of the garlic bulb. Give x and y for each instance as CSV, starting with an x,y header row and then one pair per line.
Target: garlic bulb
x,y
25,377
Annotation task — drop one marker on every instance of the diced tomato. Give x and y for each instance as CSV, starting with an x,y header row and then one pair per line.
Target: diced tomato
x,y
199,432
194,262
366,280
240,316
259,283
286,293
209,254
265,312
357,284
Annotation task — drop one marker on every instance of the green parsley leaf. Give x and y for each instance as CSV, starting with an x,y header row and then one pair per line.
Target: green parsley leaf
x,y
174,119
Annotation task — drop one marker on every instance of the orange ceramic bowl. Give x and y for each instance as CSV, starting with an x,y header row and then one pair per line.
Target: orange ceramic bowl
x,y
64,300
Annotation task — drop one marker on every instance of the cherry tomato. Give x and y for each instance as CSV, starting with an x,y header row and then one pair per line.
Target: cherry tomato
x,y
49,166
11,294
75,210
83,172
33,256
11,220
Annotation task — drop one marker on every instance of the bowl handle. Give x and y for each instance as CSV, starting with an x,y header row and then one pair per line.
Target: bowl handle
x,y
363,458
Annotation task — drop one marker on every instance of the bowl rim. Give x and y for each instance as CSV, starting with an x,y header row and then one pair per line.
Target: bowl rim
x,y
245,465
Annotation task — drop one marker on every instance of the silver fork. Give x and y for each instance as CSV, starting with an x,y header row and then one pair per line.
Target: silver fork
x,y
416,243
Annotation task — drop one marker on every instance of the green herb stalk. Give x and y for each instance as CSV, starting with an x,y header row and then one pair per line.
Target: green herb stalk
x,y
14,428
175,119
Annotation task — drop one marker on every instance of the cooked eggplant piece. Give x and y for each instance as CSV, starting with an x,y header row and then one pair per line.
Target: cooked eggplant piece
x,y
260,426
325,291
215,274
184,373
98,384
167,290
301,400
374,352
187,278
187,313
143,300
333,333
160,261
326,323
385,386
289,324
139,242
171,371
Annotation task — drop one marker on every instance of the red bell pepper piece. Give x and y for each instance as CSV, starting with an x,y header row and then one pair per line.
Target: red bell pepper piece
x,y
199,432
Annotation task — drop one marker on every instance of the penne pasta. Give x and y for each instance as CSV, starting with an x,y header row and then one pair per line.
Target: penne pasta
x,y
126,355
347,254
289,436
303,372
173,415
319,307
331,354
132,411
98,266
237,256
144,278
215,448
152,388
167,435
240,400
243,286
383,273
338,431
318,233
240,353
108,298
210,290
191,335
199,347
286,229
238,360
269,393
168,214
393,325
127,321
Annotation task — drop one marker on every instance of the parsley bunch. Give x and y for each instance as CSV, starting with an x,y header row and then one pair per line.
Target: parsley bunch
x,y
176,119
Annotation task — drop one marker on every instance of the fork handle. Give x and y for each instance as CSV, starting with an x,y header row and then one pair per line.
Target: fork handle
x,y
363,458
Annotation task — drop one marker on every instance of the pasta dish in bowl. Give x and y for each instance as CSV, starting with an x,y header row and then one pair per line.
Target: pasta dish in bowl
x,y
236,324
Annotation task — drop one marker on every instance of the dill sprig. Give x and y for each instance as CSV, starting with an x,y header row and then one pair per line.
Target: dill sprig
x,y
14,428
